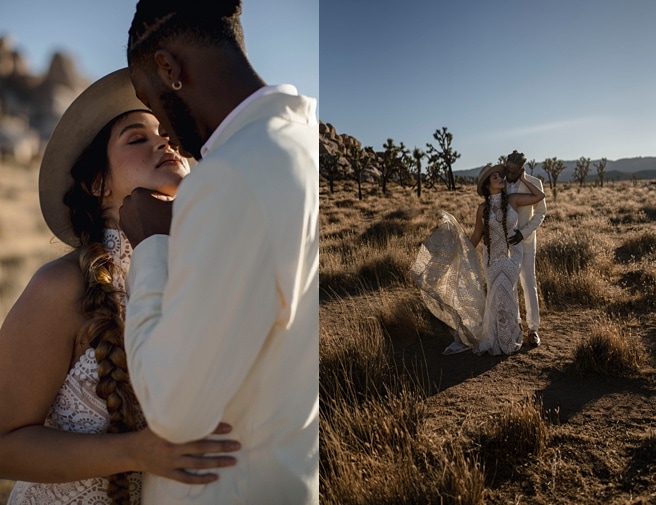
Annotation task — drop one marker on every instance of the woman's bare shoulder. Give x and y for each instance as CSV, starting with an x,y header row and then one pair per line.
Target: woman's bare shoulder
x,y
60,279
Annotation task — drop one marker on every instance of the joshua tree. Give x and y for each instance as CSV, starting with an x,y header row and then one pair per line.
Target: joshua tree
x,y
391,162
442,160
581,170
407,162
418,154
531,165
329,164
601,170
553,168
357,158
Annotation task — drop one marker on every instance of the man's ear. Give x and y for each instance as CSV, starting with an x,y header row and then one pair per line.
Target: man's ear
x,y
168,68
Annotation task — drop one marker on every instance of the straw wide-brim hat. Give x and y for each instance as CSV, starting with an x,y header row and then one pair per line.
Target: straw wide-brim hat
x,y
96,106
486,172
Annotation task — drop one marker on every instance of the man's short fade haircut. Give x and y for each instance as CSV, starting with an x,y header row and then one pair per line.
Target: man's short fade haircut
x,y
156,22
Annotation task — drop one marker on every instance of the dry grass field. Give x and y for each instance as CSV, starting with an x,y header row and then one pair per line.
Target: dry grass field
x,y
571,421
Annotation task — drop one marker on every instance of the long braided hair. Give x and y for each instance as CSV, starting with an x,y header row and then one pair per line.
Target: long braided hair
x,y
101,303
155,22
486,217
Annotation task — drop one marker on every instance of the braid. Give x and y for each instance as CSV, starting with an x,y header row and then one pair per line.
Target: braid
x,y
486,225
504,208
156,22
104,329
102,304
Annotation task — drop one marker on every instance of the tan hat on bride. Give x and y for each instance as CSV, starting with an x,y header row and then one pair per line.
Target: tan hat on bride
x,y
96,106
486,172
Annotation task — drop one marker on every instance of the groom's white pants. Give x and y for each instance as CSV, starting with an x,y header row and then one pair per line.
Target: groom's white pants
x,y
529,285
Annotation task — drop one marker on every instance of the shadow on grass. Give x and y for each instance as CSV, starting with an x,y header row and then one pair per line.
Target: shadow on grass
x,y
423,358
568,393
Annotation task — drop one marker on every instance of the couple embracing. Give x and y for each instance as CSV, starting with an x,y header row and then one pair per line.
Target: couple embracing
x,y
483,311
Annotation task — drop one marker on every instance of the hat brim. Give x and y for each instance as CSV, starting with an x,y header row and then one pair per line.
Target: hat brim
x,y
96,106
486,172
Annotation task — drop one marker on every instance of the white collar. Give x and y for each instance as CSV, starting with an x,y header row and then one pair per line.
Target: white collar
x,y
287,89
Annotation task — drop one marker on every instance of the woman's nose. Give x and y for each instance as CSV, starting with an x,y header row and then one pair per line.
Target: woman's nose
x,y
166,143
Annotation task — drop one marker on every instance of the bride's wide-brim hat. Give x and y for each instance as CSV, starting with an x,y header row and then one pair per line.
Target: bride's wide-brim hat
x,y
486,172
105,99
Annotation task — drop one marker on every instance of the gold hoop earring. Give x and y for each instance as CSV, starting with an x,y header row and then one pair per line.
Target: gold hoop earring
x,y
177,86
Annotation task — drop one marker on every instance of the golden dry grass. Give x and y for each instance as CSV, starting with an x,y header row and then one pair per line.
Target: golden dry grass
x,y
400,423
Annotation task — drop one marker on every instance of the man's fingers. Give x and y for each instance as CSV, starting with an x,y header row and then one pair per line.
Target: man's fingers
x,y
208,446
193,478
222,429
206,462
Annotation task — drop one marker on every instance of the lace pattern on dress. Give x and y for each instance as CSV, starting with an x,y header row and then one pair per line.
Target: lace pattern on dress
x,y
447,271
77,408
502,332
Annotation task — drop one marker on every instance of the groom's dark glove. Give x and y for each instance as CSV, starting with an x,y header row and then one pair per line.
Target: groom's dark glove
x,y
516,238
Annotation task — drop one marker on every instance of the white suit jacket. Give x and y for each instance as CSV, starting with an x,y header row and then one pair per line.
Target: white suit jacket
x,y
222,321
530,216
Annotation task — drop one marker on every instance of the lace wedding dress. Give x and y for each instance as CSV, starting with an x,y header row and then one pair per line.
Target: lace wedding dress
x,y
448,273
502,331
77,408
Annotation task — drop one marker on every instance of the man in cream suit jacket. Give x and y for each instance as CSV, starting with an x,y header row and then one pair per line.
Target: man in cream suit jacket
x,y
222,321
530,218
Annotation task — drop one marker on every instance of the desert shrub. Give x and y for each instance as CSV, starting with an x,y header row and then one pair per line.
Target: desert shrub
x,y
383,270
563,269
404,318
563,291
649,212
510,438
609,349
355,364
640,283
566,253
380,233
402,214
636,247
379,453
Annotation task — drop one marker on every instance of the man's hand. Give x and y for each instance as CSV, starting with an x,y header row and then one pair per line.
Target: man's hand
x,y
188,462
143,214
516,238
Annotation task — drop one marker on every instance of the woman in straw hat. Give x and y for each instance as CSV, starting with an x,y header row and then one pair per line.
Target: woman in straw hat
x,y
68,415
448,273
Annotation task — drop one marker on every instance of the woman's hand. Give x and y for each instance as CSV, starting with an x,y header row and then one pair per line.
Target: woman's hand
x,y
179,461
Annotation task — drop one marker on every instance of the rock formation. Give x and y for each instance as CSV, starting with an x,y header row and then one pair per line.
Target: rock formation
x,y
31,105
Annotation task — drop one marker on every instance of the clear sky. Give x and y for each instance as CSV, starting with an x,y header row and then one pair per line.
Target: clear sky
x,y
563,78
282,36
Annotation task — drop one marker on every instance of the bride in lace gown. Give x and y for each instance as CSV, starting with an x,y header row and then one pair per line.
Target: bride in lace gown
x,y
71,431
483,320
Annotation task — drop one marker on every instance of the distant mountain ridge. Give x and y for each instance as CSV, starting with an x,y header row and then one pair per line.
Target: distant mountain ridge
x,y
622,169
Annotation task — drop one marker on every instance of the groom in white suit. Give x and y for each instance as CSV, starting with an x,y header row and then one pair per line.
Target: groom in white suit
x,y
222,322
530,218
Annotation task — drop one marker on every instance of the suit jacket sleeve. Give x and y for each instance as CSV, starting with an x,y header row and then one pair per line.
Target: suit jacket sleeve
x,y
198,316
539,213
